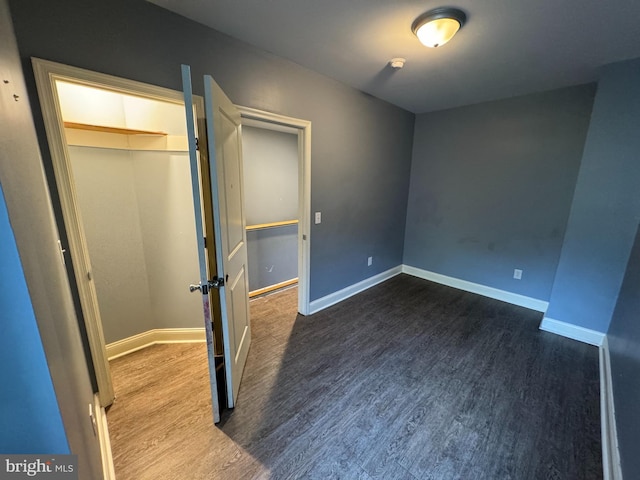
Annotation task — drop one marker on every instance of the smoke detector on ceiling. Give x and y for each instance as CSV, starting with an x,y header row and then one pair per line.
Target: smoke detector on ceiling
x,y
397,63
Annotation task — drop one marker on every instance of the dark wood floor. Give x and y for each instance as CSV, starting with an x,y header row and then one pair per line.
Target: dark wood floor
x,y
408,380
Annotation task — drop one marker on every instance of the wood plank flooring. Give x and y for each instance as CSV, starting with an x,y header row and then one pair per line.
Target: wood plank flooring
x,y
408,380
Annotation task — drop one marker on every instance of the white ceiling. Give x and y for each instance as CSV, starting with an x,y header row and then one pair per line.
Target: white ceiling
x,y
507,47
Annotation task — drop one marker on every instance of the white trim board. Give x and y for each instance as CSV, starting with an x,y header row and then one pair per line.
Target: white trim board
x,y
153,337
575,332
503,295
108,469
340,295
610,453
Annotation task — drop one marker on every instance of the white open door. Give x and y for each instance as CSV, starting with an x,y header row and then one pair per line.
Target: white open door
x,y
225,161
204,285
224,146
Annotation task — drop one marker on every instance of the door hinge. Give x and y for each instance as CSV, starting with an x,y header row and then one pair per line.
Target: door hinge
x,y
94,421
62,252
197,144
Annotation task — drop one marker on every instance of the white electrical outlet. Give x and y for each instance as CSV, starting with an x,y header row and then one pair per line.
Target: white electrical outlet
x,y
369,261
517,274
318,217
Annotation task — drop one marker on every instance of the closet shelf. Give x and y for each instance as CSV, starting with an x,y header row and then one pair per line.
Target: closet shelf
x,y
271,225
121,131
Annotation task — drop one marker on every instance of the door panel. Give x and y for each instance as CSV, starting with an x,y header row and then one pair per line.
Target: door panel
x,y
232,181
239,313
202,255
225,153
224,176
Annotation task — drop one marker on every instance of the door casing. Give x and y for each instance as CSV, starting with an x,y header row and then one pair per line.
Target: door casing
x,y
302,128
47,73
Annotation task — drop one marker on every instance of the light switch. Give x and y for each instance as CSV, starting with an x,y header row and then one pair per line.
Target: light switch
x,y
318,217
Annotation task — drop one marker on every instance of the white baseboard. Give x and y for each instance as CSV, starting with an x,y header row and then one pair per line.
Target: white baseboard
x,y
153,337
586,335
564,329
336,297
503,295
108,469
610,453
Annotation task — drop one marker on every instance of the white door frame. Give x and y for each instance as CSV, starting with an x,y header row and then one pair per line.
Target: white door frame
x,y
274,121
47,73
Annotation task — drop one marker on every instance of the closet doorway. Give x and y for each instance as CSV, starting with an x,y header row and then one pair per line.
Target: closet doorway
x,y
123,175
85,143
130,168
276,169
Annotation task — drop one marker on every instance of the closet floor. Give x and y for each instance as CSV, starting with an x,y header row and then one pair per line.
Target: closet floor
x,y
161,425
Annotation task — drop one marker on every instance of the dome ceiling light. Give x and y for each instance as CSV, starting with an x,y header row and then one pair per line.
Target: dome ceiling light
x,y
436,27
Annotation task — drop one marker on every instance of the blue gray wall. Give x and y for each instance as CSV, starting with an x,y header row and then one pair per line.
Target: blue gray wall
x,y
360,148
272,255
491,188
606,205
45,298
270,169
624,348
30,420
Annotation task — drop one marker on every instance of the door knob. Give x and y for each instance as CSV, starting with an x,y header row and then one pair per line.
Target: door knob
x,y
215,283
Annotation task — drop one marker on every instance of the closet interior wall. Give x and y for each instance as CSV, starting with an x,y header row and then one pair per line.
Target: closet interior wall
x,y
132,182
270,169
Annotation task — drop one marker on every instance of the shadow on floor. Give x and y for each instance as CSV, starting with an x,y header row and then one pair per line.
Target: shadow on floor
x,y
414,380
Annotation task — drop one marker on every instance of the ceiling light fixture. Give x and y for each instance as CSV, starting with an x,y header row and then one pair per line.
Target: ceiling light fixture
x,y
438,26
